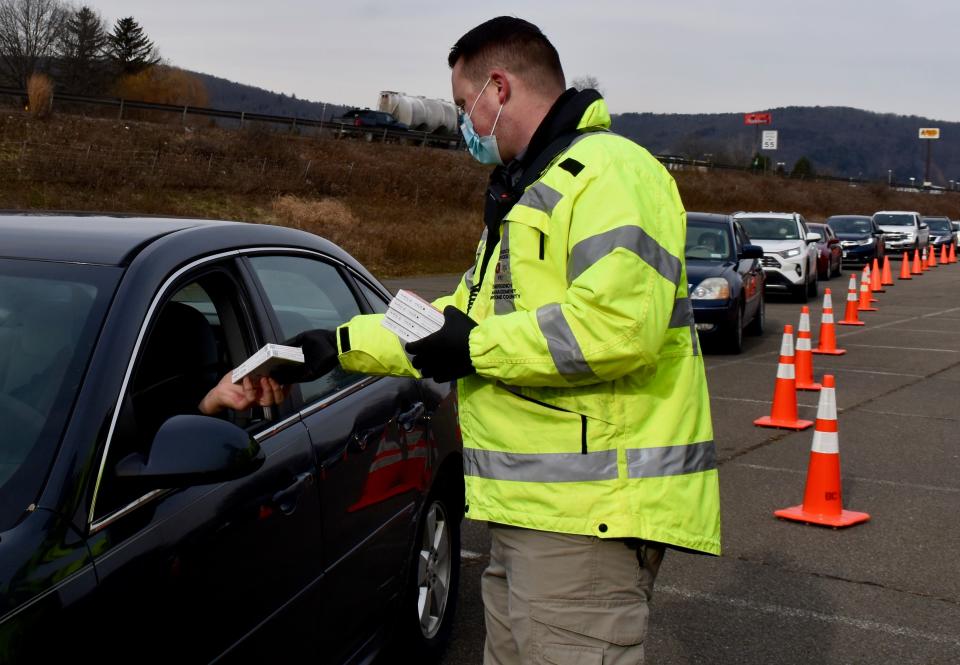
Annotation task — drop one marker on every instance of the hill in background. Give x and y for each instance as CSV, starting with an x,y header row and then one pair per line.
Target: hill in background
x,y
838,140
231,96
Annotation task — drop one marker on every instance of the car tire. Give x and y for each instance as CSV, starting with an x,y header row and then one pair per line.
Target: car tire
x,y
800,292
434,578
756,326
813,289
732,338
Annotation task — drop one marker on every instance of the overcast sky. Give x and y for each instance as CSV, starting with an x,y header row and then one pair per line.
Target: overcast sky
x,y
685,56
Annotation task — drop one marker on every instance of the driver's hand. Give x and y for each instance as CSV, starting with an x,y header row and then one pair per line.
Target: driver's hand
x,y
228,395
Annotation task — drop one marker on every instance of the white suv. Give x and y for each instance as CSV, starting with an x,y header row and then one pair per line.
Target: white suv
x,y
789,250
903,230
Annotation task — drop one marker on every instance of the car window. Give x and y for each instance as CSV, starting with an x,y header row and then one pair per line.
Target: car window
x,y
307,294
770,228
377,304
197,335
708,241
50,314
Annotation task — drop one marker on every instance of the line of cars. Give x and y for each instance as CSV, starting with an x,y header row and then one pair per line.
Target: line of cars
x,y
733,261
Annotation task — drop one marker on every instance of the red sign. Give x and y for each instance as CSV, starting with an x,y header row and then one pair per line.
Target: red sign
x,y
757,119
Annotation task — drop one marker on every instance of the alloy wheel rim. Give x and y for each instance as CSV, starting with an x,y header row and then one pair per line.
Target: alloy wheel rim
x,y
433,571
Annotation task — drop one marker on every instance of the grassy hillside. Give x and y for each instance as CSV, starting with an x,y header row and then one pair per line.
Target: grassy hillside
x,y
400,209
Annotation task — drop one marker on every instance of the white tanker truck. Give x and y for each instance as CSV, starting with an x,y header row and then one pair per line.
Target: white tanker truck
x,y
420,113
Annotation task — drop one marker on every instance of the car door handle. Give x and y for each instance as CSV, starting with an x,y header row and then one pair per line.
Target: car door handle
x,y
286,499
409,419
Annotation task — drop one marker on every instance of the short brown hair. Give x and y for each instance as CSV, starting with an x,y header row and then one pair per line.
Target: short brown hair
x,y
514,44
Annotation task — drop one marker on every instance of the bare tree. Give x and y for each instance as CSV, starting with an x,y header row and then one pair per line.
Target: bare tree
x,y
584,82
29,32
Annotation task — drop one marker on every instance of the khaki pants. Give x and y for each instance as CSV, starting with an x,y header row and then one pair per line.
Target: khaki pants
x,y
566,599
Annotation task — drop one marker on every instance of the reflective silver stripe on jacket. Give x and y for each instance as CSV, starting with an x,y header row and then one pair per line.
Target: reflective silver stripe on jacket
x,y
563,345
671,460
682,314
503,298
600,465
540,467
540,197
468,276
632,238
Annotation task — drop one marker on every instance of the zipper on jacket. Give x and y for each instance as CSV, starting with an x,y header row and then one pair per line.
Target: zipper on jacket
x,y
583,418
542,240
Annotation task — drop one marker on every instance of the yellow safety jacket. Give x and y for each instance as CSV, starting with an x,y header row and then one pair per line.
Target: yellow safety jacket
x,y
588,413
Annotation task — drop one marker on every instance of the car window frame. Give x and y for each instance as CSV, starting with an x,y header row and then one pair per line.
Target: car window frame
x,y
163,294
303,407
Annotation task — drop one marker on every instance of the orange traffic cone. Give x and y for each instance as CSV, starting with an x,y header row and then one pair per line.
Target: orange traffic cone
x,y
875,284
804,356
943,255
917,267
784,411
931,257
822,496
953,253
850,314
828,331
925,260
905,267
886,279
865,299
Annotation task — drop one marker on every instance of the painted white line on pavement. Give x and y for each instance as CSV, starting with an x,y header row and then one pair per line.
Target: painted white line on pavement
x,y
908,415
903,348
755,401
917,330
859,479
839,370
797,613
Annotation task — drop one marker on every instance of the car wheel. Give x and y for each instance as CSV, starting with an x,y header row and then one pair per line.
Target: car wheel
x,y
756,326
812,288
800,292
733,335
431,597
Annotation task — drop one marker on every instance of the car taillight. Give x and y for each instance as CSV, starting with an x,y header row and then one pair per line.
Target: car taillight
x,y
357,122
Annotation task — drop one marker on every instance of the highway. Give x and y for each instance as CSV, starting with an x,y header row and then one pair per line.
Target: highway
x,y
783,592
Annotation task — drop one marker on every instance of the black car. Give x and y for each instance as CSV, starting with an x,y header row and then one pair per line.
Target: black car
x,y
941,233
725,278
371,119
860,238
134,529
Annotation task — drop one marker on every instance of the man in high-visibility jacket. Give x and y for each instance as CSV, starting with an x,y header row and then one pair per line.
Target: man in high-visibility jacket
x,y
583,403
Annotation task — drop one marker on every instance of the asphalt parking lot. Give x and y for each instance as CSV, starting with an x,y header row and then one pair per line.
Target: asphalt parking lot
x,y
885,591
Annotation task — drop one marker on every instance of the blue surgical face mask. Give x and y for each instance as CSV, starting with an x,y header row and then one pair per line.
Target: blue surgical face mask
x,y
483,148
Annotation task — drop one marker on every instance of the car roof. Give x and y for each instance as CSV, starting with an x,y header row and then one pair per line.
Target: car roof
x,y
84,238
776,215
896,212
868,217
108,239
709,217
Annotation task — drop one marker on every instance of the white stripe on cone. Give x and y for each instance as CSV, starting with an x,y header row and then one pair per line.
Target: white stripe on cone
x,y
803,344
786,345
825,442
827,317
786,371
827,301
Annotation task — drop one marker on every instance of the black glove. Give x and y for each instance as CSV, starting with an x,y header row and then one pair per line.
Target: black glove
x,y
319,357
445,355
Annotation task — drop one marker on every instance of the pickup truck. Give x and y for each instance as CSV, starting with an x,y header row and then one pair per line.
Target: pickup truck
x,y
902,230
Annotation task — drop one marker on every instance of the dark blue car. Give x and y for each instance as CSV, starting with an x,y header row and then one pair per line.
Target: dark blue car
x,y
725,278
133,529
861,239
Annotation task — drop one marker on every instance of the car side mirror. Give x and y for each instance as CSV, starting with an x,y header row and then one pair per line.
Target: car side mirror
x,y
814,237
924,226
751,252
193,450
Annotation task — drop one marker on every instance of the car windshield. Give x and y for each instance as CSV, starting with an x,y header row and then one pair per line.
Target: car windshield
x,y
939,224
893,219
709,242
770,228
850,225
817,228
50,315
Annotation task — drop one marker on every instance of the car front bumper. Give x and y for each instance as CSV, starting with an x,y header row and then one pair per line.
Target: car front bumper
x,y
712,315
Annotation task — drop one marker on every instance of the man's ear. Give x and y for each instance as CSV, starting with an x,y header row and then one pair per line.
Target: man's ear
x,y
501,80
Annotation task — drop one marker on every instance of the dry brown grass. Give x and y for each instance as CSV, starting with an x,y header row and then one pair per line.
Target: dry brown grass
x,y
40,95
401,210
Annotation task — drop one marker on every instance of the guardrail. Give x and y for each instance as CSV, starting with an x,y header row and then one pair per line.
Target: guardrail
x,y
244,118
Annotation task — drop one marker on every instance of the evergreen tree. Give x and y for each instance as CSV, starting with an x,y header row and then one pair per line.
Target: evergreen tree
x,y
130,49
83,52
803,169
